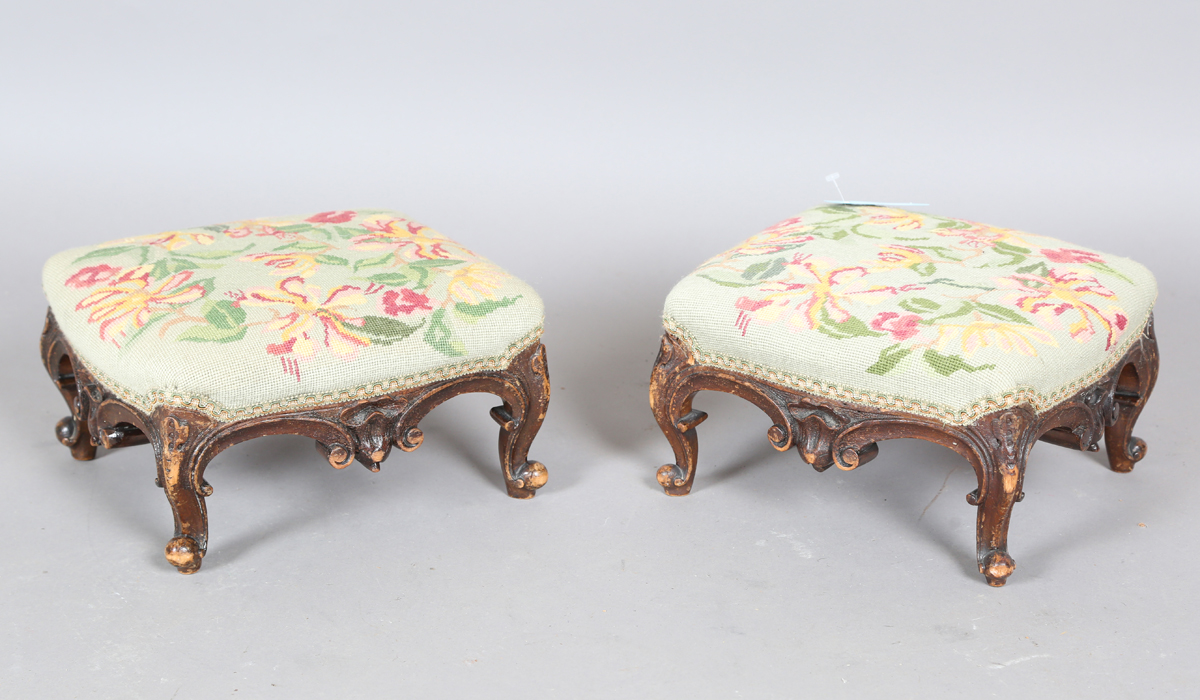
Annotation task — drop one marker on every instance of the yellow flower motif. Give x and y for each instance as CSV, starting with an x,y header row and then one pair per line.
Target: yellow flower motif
x,y
1062,290
981,334
898,219
259,227
131,298
309,320
302,264
812,288
978,235
172,240
893,257
408,240
475,282
767,242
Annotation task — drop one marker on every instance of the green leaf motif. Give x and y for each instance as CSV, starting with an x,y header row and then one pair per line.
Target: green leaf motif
x,y
441,338
889,357
728,283
947,365
149,322
385,331
436,262
832,235
169,266
223,314
1010,249
208,283
215,254
960,311
919,305
106,252
303,245
331,260
1102,267
295,228
850,328
763,270
380,261
925,269
474,312
212,334
1038,268
392,279
348,233
1001,313
951,283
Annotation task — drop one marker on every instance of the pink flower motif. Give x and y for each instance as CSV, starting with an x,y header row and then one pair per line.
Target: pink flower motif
x,y
89,276
406,302
1071,255
896,218
309,318
901,326
746,307
127,302
281,348
256,228
1062,290
787,223
331,217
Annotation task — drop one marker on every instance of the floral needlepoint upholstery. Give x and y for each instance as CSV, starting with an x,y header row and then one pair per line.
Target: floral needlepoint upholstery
x,y
940,317
269,315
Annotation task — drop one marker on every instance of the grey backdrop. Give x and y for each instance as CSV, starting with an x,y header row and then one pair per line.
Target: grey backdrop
x,y
599,151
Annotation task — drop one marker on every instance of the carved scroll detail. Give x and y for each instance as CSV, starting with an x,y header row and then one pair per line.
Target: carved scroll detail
x,y
186,441
827,432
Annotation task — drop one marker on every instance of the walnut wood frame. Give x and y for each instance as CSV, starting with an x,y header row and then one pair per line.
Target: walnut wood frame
x,y
828,432
185,440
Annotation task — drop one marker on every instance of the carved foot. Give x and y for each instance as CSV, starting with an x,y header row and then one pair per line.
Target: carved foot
x,y
997,566
529,479
184,554
674,480
75,435
1122,459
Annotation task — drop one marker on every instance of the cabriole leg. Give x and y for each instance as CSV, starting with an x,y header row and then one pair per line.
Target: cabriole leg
x,y
71,431
1134,385
177,448
523,476
676,418
1007,439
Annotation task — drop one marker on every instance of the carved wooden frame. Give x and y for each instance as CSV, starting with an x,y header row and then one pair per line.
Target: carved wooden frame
x,y
828,432
186,440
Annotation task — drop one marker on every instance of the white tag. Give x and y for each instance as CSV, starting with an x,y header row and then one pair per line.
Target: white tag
x,y
833,177
876,204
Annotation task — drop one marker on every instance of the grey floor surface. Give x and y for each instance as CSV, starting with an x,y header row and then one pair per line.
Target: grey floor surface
x,y
600,152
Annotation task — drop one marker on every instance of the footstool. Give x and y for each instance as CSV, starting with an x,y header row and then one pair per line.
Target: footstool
x,y
344,326
848,325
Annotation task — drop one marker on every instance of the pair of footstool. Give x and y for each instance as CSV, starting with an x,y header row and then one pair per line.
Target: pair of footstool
x,y
847,325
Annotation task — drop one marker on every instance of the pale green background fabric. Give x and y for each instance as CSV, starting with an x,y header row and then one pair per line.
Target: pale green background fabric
x,y
268,315
935,316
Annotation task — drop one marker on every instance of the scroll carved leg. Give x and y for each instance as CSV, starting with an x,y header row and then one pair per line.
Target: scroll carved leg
x,y
1007,438
73,430
519,425
676,418
178,442
1133,388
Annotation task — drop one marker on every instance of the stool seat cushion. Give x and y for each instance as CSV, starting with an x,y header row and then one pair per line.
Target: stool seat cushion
x,y
269,315
922,314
